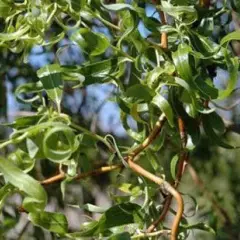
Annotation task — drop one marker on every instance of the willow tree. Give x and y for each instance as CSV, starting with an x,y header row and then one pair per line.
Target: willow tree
x,y
161,57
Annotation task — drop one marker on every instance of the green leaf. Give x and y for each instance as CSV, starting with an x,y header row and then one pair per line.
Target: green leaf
x,y
165,107
139,92
130,189
28,88
93,208
206,26
209,130
4,9
77,5
22,160
59,143
37,197
217,122
204,47
195,103
87,230
99,72
52,83
152,159
182,62
200,226
154,76
91,42
117,6
32,147
158,143
5,191
15,35
233,65
126,213
24,122
68,73
229,37
186,14
206,87
173,164
53,222
128,26
191,124
137,135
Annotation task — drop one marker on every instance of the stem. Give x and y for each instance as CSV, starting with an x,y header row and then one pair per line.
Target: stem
x,y
164,38
180,170
4,144
152,136
99,171
138,169
53,179
174,230
95,172
156,130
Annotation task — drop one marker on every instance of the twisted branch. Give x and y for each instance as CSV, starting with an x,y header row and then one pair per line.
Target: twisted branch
x,y
138,169
180,170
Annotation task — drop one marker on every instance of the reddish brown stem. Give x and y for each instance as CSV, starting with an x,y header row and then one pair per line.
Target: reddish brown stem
x,y
164,38
154,133
135,167
53,179
138,169
180,170
95,172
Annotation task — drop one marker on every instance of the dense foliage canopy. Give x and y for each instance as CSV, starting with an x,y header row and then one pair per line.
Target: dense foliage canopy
x,y
161,60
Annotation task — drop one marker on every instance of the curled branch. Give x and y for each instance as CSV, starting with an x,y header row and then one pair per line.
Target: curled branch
x,y
180,170
138,169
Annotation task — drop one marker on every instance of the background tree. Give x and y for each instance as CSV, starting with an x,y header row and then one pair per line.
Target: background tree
x,y
119,104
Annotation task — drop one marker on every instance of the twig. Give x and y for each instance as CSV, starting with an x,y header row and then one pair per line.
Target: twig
x,y
164,38
152,136
99,171
54,179
166,207
181,167
138,169
95,172
156,130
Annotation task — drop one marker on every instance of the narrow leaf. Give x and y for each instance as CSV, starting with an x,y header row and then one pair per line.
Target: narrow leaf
x,y
231,36
53,222
36,194
174,162
52,83
165,107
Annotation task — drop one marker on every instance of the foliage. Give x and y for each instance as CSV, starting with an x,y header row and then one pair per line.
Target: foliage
x,y
173,81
